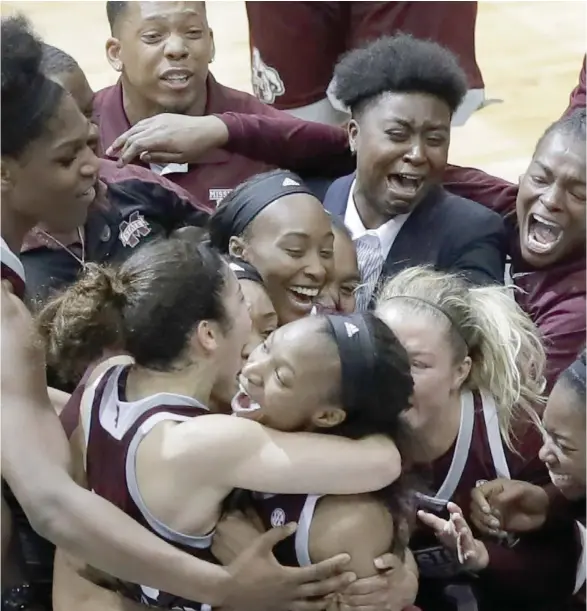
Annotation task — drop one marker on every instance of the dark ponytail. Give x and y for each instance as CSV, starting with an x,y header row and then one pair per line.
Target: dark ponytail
x,y
83,322
146,308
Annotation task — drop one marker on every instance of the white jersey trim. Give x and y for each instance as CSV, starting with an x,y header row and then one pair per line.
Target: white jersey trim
x,y
582,566
302,540
11,260
195,541
117,417
494,436
462,448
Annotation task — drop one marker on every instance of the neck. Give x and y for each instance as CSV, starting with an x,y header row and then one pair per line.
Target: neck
x,y
137,108
14,227
435,438
368,214
193,381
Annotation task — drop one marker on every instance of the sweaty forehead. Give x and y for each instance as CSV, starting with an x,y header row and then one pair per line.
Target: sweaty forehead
x,y
564,152
138,12
297,213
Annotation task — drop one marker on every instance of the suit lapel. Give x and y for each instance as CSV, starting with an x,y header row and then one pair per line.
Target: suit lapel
x,y
337,195
409,241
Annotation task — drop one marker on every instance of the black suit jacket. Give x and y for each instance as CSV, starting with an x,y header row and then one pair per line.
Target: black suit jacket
x,y
450,233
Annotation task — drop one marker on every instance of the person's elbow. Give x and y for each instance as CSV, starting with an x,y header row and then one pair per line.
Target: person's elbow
x,y
48,514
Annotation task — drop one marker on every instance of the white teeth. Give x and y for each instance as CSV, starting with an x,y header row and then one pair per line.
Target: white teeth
x,y
544,221
302,290
176,78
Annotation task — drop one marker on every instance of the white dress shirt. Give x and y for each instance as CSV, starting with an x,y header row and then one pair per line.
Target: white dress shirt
x,y
386,233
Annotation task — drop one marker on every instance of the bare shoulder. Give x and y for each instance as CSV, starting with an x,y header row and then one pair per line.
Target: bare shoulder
x,y
359,525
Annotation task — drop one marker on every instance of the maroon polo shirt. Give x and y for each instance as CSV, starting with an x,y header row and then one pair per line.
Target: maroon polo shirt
x,y
218,171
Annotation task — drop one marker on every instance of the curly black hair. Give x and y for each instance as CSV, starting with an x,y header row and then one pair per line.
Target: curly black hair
x,y
401,64
29,99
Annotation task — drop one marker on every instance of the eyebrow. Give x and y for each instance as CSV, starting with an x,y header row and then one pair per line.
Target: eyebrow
x,y
427,125
569,176
163,17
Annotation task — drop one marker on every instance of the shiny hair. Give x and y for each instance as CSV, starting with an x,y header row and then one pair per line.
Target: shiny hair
x,y
486,324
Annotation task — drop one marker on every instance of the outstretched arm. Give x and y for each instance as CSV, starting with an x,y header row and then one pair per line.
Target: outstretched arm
x,y
240,453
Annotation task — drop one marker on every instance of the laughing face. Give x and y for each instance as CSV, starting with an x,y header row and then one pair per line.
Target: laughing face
x,y
163,50
402,141
339,293
291,244
289,381
551,201
563,451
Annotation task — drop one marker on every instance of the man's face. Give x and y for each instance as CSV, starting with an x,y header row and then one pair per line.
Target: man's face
x,y
163,50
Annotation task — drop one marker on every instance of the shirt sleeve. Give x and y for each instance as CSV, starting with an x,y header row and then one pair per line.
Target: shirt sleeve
x,y
490,191
291,143
577,99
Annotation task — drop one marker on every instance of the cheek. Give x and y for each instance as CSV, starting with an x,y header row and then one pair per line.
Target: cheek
x,y
348,304
274,265
437,158
431,386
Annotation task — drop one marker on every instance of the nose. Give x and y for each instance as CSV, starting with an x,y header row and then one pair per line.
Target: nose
x,y
546,456
328,298
415,153
551,198
175,47
90,164
254,368
315,268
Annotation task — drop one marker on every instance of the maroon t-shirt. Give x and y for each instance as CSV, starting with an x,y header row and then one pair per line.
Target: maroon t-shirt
x,y
217,172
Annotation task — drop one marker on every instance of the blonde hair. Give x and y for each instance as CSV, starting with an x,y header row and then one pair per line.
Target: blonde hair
x,y
487,325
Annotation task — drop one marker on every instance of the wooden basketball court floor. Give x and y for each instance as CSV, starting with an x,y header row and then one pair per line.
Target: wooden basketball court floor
x,y
530,54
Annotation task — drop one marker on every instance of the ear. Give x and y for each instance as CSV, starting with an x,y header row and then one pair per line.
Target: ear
x,y
328,418
353,132
7,172
237,248
212,47
113,53
206,336
461,373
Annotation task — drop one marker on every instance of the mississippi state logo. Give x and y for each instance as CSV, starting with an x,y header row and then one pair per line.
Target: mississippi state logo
x,y
277,518
267,83
132,230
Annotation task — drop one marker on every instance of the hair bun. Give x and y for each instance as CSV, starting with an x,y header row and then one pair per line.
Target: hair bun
x,y
21,57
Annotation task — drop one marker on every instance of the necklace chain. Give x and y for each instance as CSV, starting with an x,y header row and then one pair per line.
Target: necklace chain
x,y
81,261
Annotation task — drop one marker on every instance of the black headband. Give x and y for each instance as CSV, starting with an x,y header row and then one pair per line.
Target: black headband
x,y
245,271
237,214
357,356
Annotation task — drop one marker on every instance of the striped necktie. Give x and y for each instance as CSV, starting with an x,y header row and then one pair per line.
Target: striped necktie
x,y
370,259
